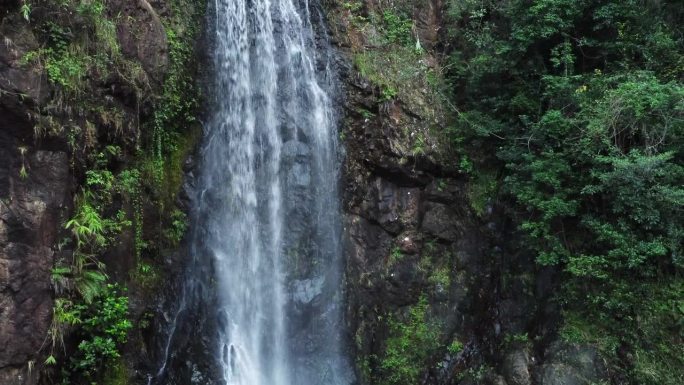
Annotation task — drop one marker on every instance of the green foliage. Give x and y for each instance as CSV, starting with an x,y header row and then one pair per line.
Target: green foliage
x,y
398,71
64,315
475,374
440,277
455,347
87,226
410,344
395,62
518,339
396,255
434,267
103,328
146,275
66,69
353,6
88,301
117,373
365,113
78,45
482,189
176,110
66,60
419,144
397,29
178,226
26,10
579,104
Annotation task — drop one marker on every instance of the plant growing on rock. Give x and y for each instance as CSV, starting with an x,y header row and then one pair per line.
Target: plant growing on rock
x,y
411,342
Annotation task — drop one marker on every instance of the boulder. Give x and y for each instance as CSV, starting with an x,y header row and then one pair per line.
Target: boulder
x,y
515,367
572,364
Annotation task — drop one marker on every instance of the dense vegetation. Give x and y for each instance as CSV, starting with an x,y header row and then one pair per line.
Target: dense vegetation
x,y
578,107
569,115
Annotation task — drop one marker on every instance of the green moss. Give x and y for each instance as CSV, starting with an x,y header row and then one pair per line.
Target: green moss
x,y
412,341
173,169
396,256
440,276
455,347
116,374
435,266
482,190
398,72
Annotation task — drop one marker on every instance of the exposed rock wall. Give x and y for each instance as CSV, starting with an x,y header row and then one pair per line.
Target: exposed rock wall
x,y
30,208
35,188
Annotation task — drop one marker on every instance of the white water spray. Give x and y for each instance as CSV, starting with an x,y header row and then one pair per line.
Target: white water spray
x,y
269,205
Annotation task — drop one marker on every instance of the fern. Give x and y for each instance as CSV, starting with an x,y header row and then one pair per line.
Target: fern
x,y
26,11
90,284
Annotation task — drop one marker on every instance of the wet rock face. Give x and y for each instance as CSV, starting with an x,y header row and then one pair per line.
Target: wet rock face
x,y
516,367
36,182
569,364
31,209
15,77
403,211
428,20
142,36
34,192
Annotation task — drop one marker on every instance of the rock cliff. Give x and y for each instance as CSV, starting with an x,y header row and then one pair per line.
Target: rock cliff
x,y
81,85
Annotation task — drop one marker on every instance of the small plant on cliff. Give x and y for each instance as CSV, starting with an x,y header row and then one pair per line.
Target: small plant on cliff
x,y
179,223
395,256
387,93
397,28
411,343
23,173
455,347
26,10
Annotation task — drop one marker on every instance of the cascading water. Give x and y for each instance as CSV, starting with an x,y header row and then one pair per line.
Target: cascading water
x,y
267,202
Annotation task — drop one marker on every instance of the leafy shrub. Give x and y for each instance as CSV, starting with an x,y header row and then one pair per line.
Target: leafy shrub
x,y
410,344
398,29
103,328
578,105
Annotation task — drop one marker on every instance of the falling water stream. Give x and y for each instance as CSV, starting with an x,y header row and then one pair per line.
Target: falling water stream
x,y
267,200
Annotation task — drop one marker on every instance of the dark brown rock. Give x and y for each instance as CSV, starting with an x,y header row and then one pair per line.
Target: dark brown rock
x,y
22,84
142,36
572,364
428,20
440,221
515,367
30,214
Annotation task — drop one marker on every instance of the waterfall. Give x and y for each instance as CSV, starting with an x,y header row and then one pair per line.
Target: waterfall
x,y
266,208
